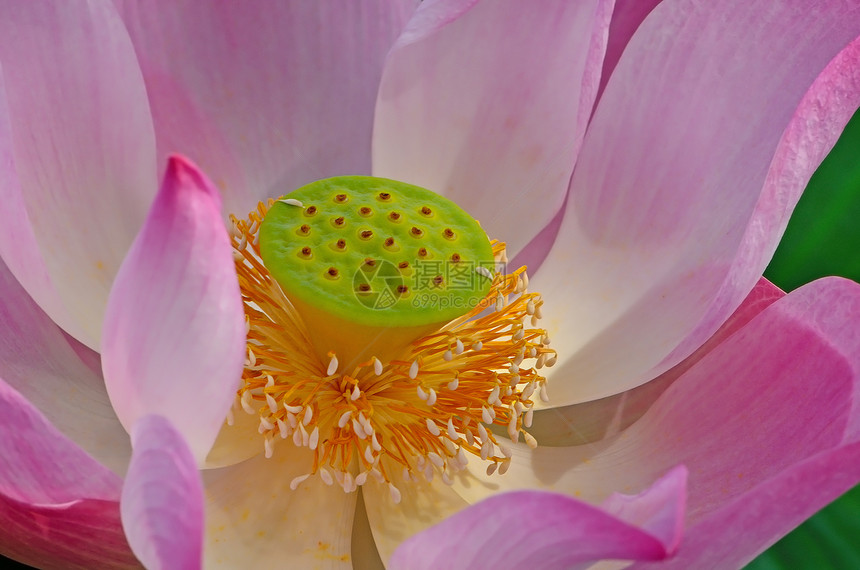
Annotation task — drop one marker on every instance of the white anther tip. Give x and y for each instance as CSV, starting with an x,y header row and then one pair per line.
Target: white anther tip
x,y
292,202
332,365
484,272
294,484
413,370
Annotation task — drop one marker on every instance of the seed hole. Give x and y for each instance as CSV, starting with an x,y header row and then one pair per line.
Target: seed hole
x,y
403,265
390,245
306,253
425,211
437,281
332,273
341,198
402,289
384,196
448,233
364,288
365,211
340,244
304,230
368,262
311,211
338,222
394,216
455,258
365,234
416,232
422,252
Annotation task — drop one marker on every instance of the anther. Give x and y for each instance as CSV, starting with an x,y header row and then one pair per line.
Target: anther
x,y
377,366
344,419
480,270
431,397
356,393
432,427
413,370
294,484
292,202
332,364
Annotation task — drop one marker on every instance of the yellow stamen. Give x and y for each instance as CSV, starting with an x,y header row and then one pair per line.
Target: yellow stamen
x,y
418,413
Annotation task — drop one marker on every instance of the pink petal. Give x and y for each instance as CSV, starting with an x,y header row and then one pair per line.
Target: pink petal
x,y
162,500
772,401
32,449
626,18
264,96
487,104
54,497
174,330
82,143
733,535
698,150
548,530
79,535
42,364
604,418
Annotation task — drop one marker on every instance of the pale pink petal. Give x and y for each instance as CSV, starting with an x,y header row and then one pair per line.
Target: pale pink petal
x,y
600,419
83,149
709,128
54,497
174,329
548,530
487,103
44,365
18,245
254,519
162,499
778,394
264,96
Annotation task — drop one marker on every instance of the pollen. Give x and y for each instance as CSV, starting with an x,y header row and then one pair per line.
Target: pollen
x,y
420,409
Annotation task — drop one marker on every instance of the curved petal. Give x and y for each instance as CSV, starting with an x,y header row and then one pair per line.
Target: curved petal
x,y
601,419
626,18
493,123
162,499
264,96
18,245
780,392
54,496
174,329
83,149
549,530
254,519
61,537
422,504
41,363
696,155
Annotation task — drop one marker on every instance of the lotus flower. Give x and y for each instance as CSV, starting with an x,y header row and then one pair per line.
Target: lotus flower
x,y
642,159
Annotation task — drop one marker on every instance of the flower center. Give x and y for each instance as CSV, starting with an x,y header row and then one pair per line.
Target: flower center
x,y
384,334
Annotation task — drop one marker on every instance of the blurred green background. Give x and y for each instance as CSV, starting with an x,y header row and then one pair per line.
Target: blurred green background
x,y
823,238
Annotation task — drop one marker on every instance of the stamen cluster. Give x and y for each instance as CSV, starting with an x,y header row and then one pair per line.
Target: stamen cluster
x,y
448,395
